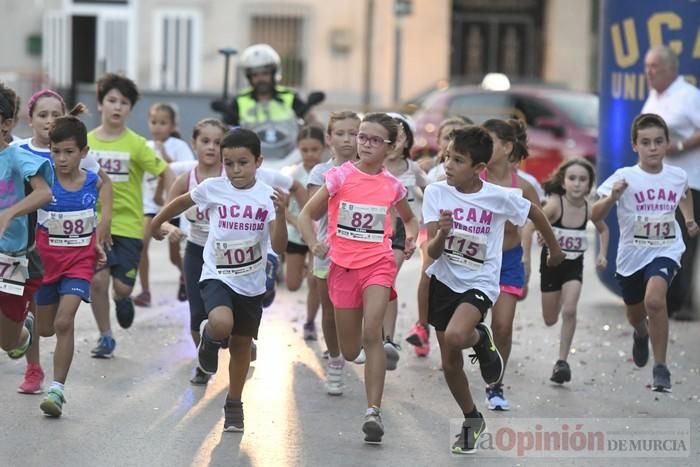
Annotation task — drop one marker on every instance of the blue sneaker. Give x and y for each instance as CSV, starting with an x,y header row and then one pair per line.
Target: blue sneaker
x,y
105,347
495,398
270,276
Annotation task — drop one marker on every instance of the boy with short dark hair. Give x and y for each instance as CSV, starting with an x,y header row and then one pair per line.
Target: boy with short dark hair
x,y
66,240
244,215
465,217
650,245
125,156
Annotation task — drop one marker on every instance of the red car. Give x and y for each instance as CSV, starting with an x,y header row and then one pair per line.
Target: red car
x,y
561,124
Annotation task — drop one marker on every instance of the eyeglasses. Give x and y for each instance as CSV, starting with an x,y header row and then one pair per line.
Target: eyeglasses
x,y
373,141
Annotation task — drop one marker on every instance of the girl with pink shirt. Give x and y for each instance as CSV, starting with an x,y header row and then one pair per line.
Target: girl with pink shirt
x,y
358,197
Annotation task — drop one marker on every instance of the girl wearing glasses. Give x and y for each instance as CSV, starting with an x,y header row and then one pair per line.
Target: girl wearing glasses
x,y
358,197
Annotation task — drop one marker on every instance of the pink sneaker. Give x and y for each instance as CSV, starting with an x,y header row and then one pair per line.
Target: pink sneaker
x,y
33,379
143,299
419,337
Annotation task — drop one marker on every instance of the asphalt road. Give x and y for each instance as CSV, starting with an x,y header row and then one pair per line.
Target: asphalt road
x,y
140,409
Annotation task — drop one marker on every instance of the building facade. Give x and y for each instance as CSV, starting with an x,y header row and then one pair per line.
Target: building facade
x,y
351,49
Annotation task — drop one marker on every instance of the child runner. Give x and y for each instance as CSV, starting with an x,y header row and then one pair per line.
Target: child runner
x,y
244,215
399,164
466,218
509,148
311,142
166,143
650,246
206,141
419,334
67,244
568,211
43,108
17,166
341,137
209,132
358,197
125,156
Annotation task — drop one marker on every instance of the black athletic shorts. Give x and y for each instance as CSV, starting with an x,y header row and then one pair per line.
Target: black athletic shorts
x,y
443,301
247,311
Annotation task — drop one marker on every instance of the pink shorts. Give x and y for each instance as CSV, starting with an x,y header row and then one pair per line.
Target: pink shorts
x,y
345,286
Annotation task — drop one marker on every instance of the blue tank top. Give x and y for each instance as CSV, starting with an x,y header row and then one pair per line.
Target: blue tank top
x,y
68,201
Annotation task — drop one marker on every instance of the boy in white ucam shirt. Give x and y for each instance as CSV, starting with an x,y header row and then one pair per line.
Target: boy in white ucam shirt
x,y
244,214
465,217
650,246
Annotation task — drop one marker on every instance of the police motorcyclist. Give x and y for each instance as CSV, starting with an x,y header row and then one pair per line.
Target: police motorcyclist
x,y
271,110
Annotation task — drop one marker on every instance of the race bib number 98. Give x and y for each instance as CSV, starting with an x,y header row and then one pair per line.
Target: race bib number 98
x,y
655,231
71,229
238,258
13,274
466,250
362,222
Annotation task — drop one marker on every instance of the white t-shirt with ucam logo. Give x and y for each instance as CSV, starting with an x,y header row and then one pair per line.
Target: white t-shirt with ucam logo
x,y
474,248
646,213
239,232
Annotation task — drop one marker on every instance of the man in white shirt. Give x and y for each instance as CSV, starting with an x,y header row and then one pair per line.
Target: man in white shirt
x,y
678,103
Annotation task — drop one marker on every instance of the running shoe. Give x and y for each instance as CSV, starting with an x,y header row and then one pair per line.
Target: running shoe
x,y
361,357
52,405
20,351
181,291
270,275
495,398
334,378
253,351
419,337
561,373
662,378
105,347
33,379
310,331
373,428
640,350
143,299
125,312
200,378
488,356
207,351
391,350
472,428
233,416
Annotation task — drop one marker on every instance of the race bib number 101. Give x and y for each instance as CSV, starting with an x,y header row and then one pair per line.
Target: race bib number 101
x,y
238,258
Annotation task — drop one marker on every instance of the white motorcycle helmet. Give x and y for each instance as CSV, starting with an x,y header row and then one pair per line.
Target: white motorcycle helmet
x,y
261,56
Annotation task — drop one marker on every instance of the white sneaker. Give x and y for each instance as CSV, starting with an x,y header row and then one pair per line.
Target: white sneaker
x,y
334,380
361,357
391,350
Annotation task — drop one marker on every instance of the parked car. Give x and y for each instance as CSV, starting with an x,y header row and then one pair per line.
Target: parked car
x,y
561,123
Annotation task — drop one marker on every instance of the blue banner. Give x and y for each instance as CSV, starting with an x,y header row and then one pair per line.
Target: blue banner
x,y
628,29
